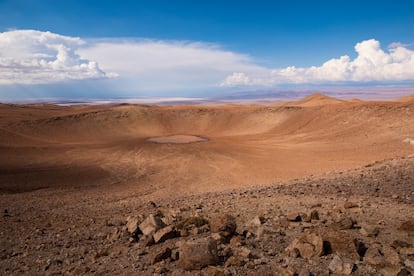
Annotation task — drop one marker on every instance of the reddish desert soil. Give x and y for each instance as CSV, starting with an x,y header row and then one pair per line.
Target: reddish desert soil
x,y
70,176
177,139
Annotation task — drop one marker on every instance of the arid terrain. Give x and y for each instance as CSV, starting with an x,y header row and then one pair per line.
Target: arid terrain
x,y
319,186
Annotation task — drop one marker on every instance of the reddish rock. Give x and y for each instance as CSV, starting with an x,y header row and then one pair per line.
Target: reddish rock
x,y
151,224
407,226
381,256
294,217
309,245
198,253
164,234
162,254
223,224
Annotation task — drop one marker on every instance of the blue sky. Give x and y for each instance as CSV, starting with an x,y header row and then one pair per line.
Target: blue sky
x,y
200,48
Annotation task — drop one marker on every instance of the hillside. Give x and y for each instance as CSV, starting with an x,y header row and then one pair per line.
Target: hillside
x,y
311,187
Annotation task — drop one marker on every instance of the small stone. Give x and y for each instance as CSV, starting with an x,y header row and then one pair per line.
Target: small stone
x,y
132,225
164,234
255,222
400,243
407,251
309,245
294,217
369,231
191,222
223,224
349,205
314,215
217,237
243,252
381,255
409,264
407,226
343,223
341,265
304,272
341,243
404,272
146,241
162,254
151,224
234,261
198,253
213,271
236,241
160,270
175,254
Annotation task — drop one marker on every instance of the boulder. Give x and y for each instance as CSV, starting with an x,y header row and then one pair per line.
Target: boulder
x,y
308,246
350,204
344,223
164,234
213,271
162,254
243,252
407,251
409,264
369,230
295,216
191,222
198,253
381,255
341,243
223,224
341,265
407,226
132,225
314,215
151,224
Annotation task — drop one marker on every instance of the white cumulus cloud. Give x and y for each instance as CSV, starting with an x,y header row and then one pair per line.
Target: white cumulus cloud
x,y
160,64
236,79
372,64
35,57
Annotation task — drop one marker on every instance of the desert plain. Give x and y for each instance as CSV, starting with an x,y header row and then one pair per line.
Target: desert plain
x,y
319,186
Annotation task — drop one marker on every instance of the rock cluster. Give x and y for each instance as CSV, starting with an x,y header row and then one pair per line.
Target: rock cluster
x,y
331,242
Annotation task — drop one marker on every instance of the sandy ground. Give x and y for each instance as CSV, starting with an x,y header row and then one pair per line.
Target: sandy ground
x,y
177,139
65,168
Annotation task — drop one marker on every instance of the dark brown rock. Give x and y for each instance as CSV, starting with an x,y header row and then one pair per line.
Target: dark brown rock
x,y
151,224
407,226
162,254
213,271
381,256
344,223
340,242
349,205
198,253
294,217
191,222
369,230
132,225
341,265
223,224
309,245
314,215
164,234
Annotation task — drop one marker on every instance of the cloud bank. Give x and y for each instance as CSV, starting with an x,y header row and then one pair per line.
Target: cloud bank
x,y
169,65
34,57
372,64
147,67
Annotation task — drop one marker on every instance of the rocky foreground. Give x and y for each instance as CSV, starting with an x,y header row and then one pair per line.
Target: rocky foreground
x,y
357,222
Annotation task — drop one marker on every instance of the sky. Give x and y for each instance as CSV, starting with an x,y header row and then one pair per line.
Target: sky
x,y
182,48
